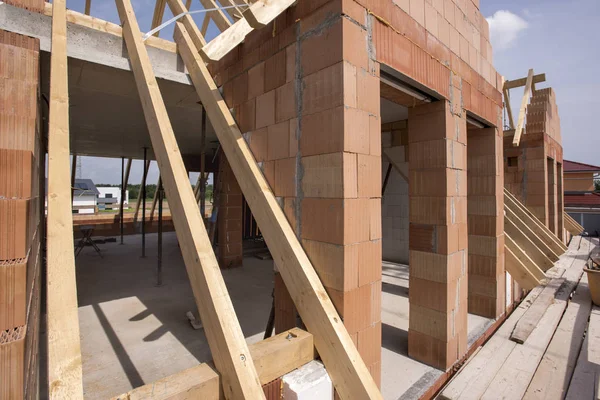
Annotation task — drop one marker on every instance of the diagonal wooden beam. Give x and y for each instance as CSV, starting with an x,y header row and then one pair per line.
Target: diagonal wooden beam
x,y
64,349
177,8
524,241
349,373
218,16
159,13
223,332
523,109
520,266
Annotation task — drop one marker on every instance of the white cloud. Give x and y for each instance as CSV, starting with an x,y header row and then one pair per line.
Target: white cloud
x,y
505,28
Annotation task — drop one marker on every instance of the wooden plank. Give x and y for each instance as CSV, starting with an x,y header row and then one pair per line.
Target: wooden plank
x,y
520,266
539,78
525,243
534,314
337,350
64,351
523,109
514,377
273,358
230,38
585,383
159,13
525,226
224,334
108,27
474,378
552,377
261,13
508,108
534,224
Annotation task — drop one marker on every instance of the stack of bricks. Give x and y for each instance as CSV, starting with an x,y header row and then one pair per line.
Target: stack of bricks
x,y
533,170
394,203
437,136
305,94
229,217
427,39
20,258
485,181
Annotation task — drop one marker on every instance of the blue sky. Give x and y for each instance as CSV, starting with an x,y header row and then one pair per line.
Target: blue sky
x,y
557,37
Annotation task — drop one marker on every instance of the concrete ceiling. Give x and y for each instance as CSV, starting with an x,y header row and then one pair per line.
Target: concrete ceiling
x,y
106,117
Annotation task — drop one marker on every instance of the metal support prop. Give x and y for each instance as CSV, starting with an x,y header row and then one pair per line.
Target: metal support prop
x,y
122,226
143,194
160,232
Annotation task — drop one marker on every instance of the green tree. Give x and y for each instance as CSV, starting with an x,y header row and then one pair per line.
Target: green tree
x,y
597,184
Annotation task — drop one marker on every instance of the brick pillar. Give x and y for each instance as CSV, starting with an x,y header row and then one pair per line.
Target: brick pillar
x,y
229,217
437,333
485,181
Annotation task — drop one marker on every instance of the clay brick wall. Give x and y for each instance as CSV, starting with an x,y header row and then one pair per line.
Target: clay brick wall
x,y
528,174
21,170
229,219
427,40
305,94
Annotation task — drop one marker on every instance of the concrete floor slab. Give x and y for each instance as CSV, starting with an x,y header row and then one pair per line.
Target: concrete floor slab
x,y
133,332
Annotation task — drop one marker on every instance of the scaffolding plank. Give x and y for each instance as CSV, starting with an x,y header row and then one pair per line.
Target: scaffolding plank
x,y
64,348
342,360
225,338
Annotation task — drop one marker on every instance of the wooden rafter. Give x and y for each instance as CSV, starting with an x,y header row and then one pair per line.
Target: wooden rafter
x,y
526,227
261,13
523,109
177,8
572,226
159,13
225,338
524,241
64,349
218,16
511,120
335,346
88,6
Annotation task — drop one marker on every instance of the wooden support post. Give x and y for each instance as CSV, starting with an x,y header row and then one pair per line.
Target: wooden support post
x,y
64,351
159,13
139,199
225,338
523,109
335,346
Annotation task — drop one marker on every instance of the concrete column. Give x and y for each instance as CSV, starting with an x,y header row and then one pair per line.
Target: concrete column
x,y
485,181
229,219
437,333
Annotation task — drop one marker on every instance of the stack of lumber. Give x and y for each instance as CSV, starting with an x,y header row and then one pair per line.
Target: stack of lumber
x,y
531,248
532,354
20,234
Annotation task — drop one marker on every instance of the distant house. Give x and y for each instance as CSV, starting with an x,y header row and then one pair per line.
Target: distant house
x,y
85,197
110,197
582,201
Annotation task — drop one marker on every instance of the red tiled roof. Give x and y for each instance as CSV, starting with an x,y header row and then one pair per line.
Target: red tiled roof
x,y
587,200
572,166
